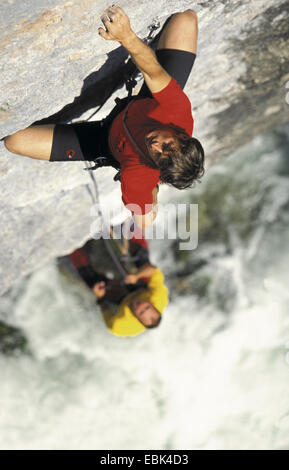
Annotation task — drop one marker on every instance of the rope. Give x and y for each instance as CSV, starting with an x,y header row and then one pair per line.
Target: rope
x,y
95,200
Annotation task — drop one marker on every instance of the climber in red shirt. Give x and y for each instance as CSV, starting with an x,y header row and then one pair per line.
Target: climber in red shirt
x,y
151,138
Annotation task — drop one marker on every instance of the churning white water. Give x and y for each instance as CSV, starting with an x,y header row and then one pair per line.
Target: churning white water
x,y
214,375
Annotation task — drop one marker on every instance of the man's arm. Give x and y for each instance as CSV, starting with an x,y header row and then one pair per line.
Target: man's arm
x,y
146,61
145,221
105,306
118,28
146,271
107,314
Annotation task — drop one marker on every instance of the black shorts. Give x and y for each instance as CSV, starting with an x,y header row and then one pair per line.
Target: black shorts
x,y
89,140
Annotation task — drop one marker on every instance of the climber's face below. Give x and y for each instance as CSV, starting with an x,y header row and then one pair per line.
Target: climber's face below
x,y
145,312
155,140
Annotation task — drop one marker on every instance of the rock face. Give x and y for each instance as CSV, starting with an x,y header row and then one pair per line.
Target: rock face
x,y
56,68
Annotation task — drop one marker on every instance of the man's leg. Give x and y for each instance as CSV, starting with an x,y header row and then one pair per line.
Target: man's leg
x,y
61,142
176,48
181,32
34,142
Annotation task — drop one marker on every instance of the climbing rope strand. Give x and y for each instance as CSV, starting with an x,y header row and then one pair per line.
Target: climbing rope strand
x,y
95,200
115,259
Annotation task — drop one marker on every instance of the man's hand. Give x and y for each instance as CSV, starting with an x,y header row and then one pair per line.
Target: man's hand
x,y
146,271
117,28
117,25
131,279
99,289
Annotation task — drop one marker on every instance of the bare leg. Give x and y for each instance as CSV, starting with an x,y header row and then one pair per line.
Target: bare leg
x,y
181,32
34,142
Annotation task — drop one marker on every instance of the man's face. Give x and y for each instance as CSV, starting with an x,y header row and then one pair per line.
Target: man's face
x,y
145,312
155,139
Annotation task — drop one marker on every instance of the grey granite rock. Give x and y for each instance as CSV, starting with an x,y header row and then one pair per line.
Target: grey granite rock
x,y
51,55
